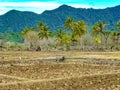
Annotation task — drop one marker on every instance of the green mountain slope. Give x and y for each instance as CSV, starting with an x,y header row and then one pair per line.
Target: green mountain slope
x,y
17,20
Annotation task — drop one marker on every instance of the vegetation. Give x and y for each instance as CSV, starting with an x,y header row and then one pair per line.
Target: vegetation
x,y
11,37
74,35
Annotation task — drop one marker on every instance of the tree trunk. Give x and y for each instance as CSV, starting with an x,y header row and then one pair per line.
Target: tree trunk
x,y
106,42
82,44
101,40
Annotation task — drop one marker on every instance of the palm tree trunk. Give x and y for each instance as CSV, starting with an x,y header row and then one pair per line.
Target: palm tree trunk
x,y
106,42
81,43
101,40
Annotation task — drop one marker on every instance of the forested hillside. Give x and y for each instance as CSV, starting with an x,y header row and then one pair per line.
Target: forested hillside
x,y
17,20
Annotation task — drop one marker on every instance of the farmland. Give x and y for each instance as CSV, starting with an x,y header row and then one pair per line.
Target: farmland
x,y
23,70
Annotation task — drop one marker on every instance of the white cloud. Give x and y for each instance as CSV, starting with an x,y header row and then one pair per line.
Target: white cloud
x,y
84,6
3,10
37,7
28,4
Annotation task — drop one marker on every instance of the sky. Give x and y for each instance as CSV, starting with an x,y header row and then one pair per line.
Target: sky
x,y
38,6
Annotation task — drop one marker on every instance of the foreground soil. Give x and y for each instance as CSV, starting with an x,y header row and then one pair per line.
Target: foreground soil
x,y
51,75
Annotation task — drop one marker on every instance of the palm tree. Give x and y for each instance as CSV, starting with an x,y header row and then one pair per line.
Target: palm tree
x,y
59,34
74,39
95,30
79,29
118,25
40,25
98,29
69,23
65,41
24,32
115,38
106,35
97,41
44,31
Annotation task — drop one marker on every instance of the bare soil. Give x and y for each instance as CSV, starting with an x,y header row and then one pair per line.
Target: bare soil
x,y
19,73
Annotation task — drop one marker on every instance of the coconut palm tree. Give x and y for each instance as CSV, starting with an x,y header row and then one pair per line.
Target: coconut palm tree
x,y
115,38
118,25
24,32
74,39
79,29
98,29
65,41
106,35
44,31
69,23
97,41
59,34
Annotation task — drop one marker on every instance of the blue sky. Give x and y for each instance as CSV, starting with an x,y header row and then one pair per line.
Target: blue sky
x,y
39,6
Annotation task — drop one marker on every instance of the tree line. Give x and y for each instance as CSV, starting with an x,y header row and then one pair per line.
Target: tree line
x,y
74,35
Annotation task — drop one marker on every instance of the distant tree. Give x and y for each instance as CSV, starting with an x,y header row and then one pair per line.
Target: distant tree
x,y
44,31
24,32
79,29
59,34
98,29
87,40
118,25
69,23
97,41
65,41
74,39
106,35
31,37
115,38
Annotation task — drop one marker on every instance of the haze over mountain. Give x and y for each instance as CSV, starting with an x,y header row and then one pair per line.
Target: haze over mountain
x,y
17,20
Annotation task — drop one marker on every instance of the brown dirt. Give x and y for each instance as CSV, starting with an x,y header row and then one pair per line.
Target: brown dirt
x,y
57,75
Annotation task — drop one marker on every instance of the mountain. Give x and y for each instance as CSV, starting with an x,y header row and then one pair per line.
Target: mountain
x,y
17,20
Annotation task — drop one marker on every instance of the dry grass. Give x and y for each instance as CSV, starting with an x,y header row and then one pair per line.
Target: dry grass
x,y
24,55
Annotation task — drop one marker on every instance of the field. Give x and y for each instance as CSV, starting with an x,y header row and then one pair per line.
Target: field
x,y
40,71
